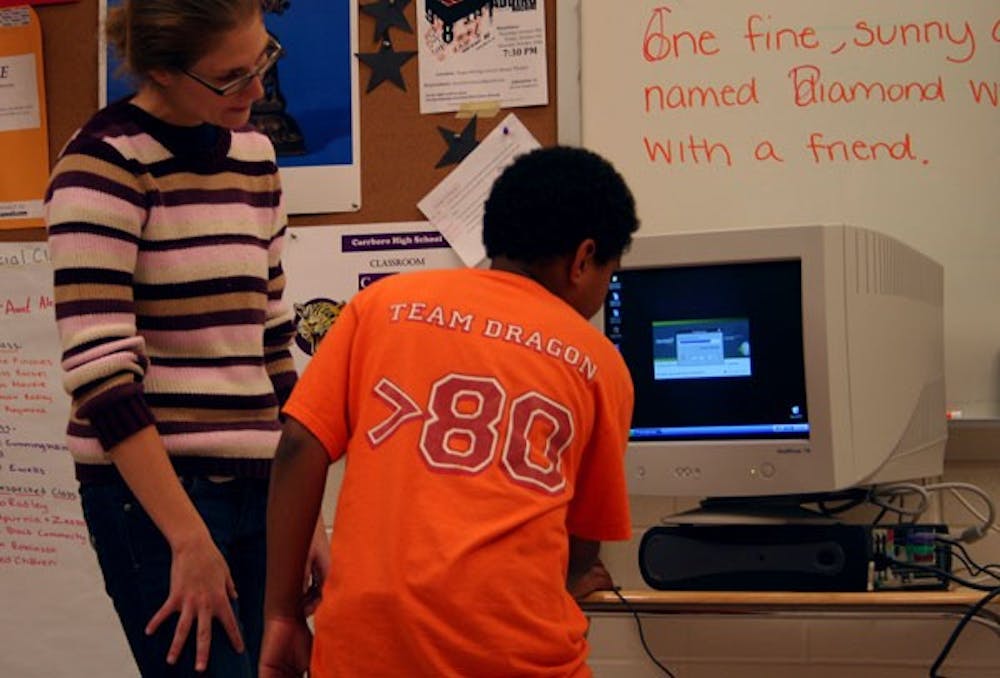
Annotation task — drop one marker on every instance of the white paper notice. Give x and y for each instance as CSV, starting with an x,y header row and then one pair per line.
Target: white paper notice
x,y
455,206
20,209
18,93
482,53
327,265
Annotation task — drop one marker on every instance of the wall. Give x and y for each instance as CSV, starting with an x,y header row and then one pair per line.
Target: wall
x,y
787,646
696,648
881,115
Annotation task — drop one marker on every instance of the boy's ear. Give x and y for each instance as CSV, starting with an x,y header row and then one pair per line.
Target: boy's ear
x,y
583,259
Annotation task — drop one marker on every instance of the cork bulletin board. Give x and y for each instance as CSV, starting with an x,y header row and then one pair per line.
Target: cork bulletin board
x,y
399,146
399,151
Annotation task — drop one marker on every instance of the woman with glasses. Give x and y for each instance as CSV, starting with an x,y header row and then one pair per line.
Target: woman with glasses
x,y
165,225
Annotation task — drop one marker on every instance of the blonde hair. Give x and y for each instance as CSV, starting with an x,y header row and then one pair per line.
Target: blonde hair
x,y
171,35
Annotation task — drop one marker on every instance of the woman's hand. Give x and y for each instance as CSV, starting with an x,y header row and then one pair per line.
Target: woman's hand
x,y
200,583
200,590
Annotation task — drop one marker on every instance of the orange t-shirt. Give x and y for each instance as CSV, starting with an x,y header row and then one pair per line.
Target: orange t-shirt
x,y
483,421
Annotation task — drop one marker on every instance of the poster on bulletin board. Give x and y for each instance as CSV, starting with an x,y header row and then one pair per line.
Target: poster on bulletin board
x,y
310,109
327,265
481,55
23,127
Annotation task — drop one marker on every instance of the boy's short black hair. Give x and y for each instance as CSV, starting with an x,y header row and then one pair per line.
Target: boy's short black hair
x,y
549,200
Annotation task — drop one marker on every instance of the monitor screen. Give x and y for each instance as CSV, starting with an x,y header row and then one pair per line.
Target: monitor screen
x,y
715,351
768,361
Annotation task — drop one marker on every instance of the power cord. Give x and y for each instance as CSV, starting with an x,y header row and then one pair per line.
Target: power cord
x,y
881,560
882,496
975,569
988,520
966,618
849,499
642,636
978,574
992,591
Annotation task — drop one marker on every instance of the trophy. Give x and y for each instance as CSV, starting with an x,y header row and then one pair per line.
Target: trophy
x,y
268,114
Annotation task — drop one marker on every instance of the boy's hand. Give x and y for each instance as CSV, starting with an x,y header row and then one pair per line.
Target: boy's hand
x,y
285,648
317,567
597,578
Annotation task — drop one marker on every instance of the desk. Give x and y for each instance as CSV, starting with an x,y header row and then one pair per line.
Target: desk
x,y
785,634
954,602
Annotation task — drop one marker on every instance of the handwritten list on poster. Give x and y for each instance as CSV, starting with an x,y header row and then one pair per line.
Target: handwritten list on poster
x,y
38,500
54,612
733,114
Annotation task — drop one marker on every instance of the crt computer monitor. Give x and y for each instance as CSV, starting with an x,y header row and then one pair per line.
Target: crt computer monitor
x,y
779,361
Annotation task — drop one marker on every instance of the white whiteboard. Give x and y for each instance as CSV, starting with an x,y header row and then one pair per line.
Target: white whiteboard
x,y
915,154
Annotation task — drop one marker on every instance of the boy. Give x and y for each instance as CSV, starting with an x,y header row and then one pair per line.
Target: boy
x,y
483,421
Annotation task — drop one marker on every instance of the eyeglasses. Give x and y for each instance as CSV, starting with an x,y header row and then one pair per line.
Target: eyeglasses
x,y
271,54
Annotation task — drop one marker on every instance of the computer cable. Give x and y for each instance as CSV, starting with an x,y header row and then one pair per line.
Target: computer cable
x,y
849,499
900,515
969,534
642,635
975,569
988,521
883,495
966,618
992,591
976,573
881,560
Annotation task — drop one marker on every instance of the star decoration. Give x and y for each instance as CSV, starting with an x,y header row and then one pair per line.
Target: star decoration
x,y
387,13
460,144
385,65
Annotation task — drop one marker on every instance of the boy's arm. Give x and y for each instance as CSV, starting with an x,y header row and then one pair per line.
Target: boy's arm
x,y
298,478
586,571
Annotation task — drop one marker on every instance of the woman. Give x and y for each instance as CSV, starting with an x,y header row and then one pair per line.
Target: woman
x,y
165,227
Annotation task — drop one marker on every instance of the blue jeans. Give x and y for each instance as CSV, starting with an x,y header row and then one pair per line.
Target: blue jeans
x,y
135,560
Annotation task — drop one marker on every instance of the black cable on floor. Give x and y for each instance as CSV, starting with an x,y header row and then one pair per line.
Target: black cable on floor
x,y
642,636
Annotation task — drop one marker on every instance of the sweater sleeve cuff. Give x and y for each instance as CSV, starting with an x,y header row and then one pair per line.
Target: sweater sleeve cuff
x,y
283,385
122,419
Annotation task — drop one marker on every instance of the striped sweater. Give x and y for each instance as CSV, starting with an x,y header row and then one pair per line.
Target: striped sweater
x,y
166,243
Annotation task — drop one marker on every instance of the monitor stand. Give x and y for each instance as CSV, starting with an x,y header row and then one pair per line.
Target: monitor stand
x,y
752,511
